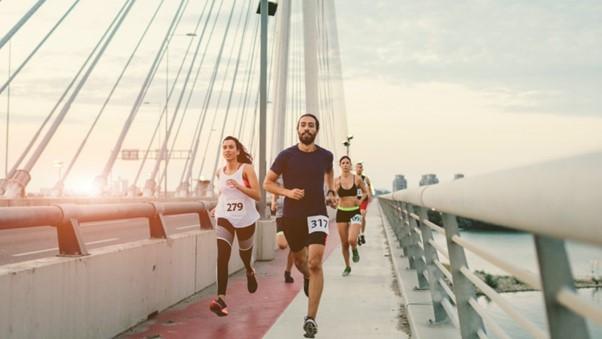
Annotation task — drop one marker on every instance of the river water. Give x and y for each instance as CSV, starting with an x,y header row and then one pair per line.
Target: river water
x,y
519,249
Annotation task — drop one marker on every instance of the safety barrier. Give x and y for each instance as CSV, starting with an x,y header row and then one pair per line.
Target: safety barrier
x,y
67,217
555,201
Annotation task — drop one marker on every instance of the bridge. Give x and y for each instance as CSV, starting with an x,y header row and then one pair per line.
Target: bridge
x,y
121,242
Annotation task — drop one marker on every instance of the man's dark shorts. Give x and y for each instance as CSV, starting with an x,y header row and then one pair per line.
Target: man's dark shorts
x,y
297,234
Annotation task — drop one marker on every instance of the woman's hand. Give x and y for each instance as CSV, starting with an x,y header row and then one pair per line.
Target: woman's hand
x,y
233,184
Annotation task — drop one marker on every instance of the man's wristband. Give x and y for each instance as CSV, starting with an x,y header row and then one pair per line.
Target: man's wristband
x,y
330,191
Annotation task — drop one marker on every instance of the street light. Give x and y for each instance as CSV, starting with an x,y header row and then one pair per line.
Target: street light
x,y
265,9
347,143
8,110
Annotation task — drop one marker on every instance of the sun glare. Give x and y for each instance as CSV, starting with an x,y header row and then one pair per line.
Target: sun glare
x,y
82,188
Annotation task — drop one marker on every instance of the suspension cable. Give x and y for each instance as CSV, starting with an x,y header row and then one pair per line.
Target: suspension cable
x,y
125,67
40,44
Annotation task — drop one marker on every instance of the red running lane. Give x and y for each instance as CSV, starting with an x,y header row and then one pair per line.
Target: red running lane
x,y
250,315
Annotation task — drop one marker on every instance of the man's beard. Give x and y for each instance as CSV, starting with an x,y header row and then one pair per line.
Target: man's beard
x,y
307,138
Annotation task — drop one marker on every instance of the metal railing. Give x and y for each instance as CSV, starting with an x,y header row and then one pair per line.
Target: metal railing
x,y
66,218
555,201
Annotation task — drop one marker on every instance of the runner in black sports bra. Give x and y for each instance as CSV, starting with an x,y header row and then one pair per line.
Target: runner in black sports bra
x,y
349,218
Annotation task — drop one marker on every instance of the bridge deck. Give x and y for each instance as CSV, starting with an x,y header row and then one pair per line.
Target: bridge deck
x,y
364,305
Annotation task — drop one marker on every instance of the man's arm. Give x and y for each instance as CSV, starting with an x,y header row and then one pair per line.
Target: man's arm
x,y
369,188
270,185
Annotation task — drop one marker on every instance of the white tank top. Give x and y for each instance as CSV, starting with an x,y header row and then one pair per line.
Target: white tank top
x,y
235,206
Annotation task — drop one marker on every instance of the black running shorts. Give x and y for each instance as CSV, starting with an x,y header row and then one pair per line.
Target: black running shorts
x,y
352,217
298,236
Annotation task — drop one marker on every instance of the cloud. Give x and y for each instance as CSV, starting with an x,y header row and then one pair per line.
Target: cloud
x,y
548,47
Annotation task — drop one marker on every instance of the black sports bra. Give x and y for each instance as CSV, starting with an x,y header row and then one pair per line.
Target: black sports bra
x,y
350,192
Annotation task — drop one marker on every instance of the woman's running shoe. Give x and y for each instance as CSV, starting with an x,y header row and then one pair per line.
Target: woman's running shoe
x,y
310,327
251,282
219,307
356,255
347,271
288,278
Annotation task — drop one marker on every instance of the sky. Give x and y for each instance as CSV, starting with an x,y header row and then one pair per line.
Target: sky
x,y
469,86
431,87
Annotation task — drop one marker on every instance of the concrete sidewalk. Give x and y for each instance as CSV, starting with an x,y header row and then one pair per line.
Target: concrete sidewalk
x,y
366,304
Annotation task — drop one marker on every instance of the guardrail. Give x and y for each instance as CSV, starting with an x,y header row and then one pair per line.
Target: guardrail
x,y
67,217
555,201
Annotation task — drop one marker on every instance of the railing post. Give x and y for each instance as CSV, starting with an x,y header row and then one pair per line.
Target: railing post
x,y
70,240
398,212
404,236
431,256
555,271
470,321
156,223
205,219
391,215
416,251
157,227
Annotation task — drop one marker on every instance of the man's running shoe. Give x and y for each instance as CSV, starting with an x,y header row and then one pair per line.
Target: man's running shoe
x,y
288,278
356,255
347,271
306,286
310,327
362,239
251,282
218,306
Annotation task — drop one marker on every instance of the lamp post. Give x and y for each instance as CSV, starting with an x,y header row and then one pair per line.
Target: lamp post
x,y
347,143
265,8
8,110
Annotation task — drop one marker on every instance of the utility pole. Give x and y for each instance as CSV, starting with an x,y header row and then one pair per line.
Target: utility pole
x,y
8,110
263,89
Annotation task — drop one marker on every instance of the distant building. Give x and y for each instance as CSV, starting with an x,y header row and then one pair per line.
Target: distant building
x,y
399,183
429,179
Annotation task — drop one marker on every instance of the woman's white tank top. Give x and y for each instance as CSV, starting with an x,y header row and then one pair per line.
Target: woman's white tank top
x,y
235,206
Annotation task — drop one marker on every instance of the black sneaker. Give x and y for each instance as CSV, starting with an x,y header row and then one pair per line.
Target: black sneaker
x,y
288,278
251,282
218,306
310,327
306,286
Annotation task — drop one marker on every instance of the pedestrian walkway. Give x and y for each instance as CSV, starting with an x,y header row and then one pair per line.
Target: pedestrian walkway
x,y
364,305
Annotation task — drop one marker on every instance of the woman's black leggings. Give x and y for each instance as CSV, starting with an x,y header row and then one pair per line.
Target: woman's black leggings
x,y
225,237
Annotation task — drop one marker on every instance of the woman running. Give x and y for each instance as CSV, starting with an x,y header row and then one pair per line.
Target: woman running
x,y
236,215
349,218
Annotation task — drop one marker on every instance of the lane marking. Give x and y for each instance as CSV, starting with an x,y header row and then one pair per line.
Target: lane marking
x,y
56,248
101,241
187,227
35,252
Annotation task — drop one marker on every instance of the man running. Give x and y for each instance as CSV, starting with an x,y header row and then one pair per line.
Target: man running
x,y
359,170
305,168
